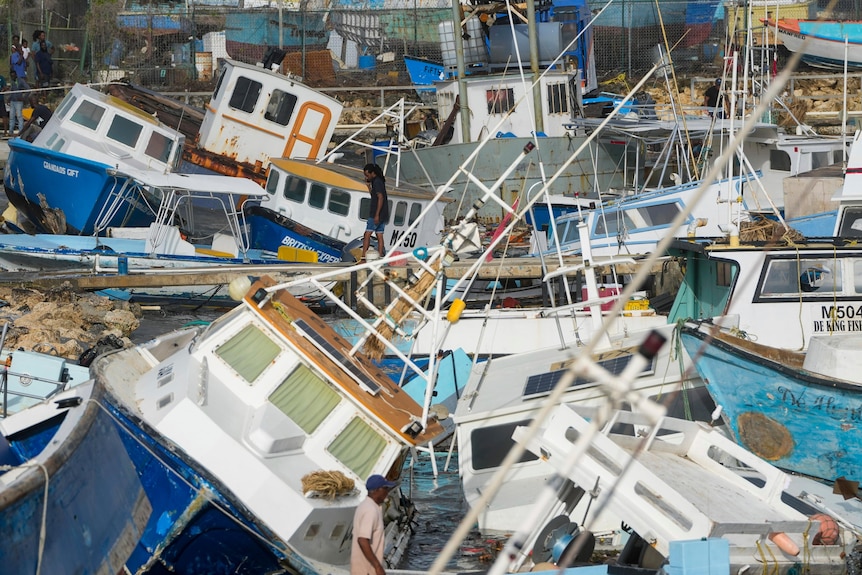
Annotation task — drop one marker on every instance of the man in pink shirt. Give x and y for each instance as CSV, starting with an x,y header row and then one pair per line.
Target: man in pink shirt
x,y
366,553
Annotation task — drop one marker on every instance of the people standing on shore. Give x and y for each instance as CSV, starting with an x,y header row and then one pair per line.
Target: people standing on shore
x,y
20,92
44,66
17,63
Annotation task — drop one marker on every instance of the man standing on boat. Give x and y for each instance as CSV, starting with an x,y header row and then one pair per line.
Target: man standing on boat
x,y
378,210
366,553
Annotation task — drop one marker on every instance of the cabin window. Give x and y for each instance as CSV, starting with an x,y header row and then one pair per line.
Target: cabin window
x,y
305,398
272,183
779,160
88,115
65,106
280,107
159,147
249,352
317,196
364,208
491,444
358,447
792,278
294,190
124,131
221,76
610,223
658,215
339,202
558,100
820,160
570,232
400,213
245,94
500,101
851,223
415,210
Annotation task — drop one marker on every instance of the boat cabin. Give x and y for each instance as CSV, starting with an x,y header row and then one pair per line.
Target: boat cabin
x,y
105,129
255,114
333,200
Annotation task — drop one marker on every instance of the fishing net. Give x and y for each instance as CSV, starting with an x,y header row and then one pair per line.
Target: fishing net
x,y
764,230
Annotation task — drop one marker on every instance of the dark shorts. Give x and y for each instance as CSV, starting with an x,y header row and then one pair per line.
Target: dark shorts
x,y
370,227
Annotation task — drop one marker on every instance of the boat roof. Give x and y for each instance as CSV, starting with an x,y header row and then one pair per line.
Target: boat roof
x,y
209,184
349,178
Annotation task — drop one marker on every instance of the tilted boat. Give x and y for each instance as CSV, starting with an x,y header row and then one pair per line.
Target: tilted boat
x,y
253,437
823,43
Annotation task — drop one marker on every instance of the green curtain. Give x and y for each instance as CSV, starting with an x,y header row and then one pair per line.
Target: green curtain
x,y
305,398
358,447
249,352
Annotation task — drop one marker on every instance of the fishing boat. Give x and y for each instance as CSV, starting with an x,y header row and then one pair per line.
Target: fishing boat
x,y
254,436
58,511
250,31
797,410
323,208
824,44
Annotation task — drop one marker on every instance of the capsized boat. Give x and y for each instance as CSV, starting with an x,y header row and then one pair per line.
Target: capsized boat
x,y
823,43
253,437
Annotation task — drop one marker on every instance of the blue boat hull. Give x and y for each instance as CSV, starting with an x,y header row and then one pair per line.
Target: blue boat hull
x,y
96,506
77,187
796,420
269,230
194,527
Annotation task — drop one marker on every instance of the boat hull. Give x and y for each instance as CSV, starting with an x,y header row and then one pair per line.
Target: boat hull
x,y
93,516
36,177
794,419
248,33
270,230
825,47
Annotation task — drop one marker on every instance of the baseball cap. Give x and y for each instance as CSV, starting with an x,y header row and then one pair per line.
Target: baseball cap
x,y
718,80
378,481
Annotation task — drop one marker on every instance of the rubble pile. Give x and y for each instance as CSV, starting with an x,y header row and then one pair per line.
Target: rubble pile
x,y
62,321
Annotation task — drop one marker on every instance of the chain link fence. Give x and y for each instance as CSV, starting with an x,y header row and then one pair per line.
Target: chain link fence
x,y
178,46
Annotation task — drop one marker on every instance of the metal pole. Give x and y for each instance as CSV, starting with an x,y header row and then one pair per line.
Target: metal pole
x,y
534,64
462,71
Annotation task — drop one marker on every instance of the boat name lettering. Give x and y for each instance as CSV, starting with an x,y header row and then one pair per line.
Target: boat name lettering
x,y
839,318
405,240
819,403
60,169
321,257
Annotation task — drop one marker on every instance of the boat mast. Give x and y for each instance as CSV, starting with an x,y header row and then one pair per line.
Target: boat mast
x,y
534,65
461,70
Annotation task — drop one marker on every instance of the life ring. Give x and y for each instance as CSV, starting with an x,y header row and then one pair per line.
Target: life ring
x,y
421,253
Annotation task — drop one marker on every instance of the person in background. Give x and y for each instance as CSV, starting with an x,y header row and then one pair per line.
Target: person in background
x,y
4,113
366,552
25,49
19,94
38,118
710,98
44,66
17,64
378,210
38,38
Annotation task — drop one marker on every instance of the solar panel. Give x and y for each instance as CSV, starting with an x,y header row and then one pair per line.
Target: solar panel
x,y
337,356
543,383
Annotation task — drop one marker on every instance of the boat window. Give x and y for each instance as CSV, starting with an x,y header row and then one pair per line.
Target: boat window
x,y
280,107
358,447
820,159
400,213
500,101
159,147
272,182
339,202
124,131
612,221
415,210
245,94
249,352
65,105
857,275
851,223
305,398
317,196
88,115
558,99
491,444
658,215
364,208
59,145
792,278
294,189
779,160
221,76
